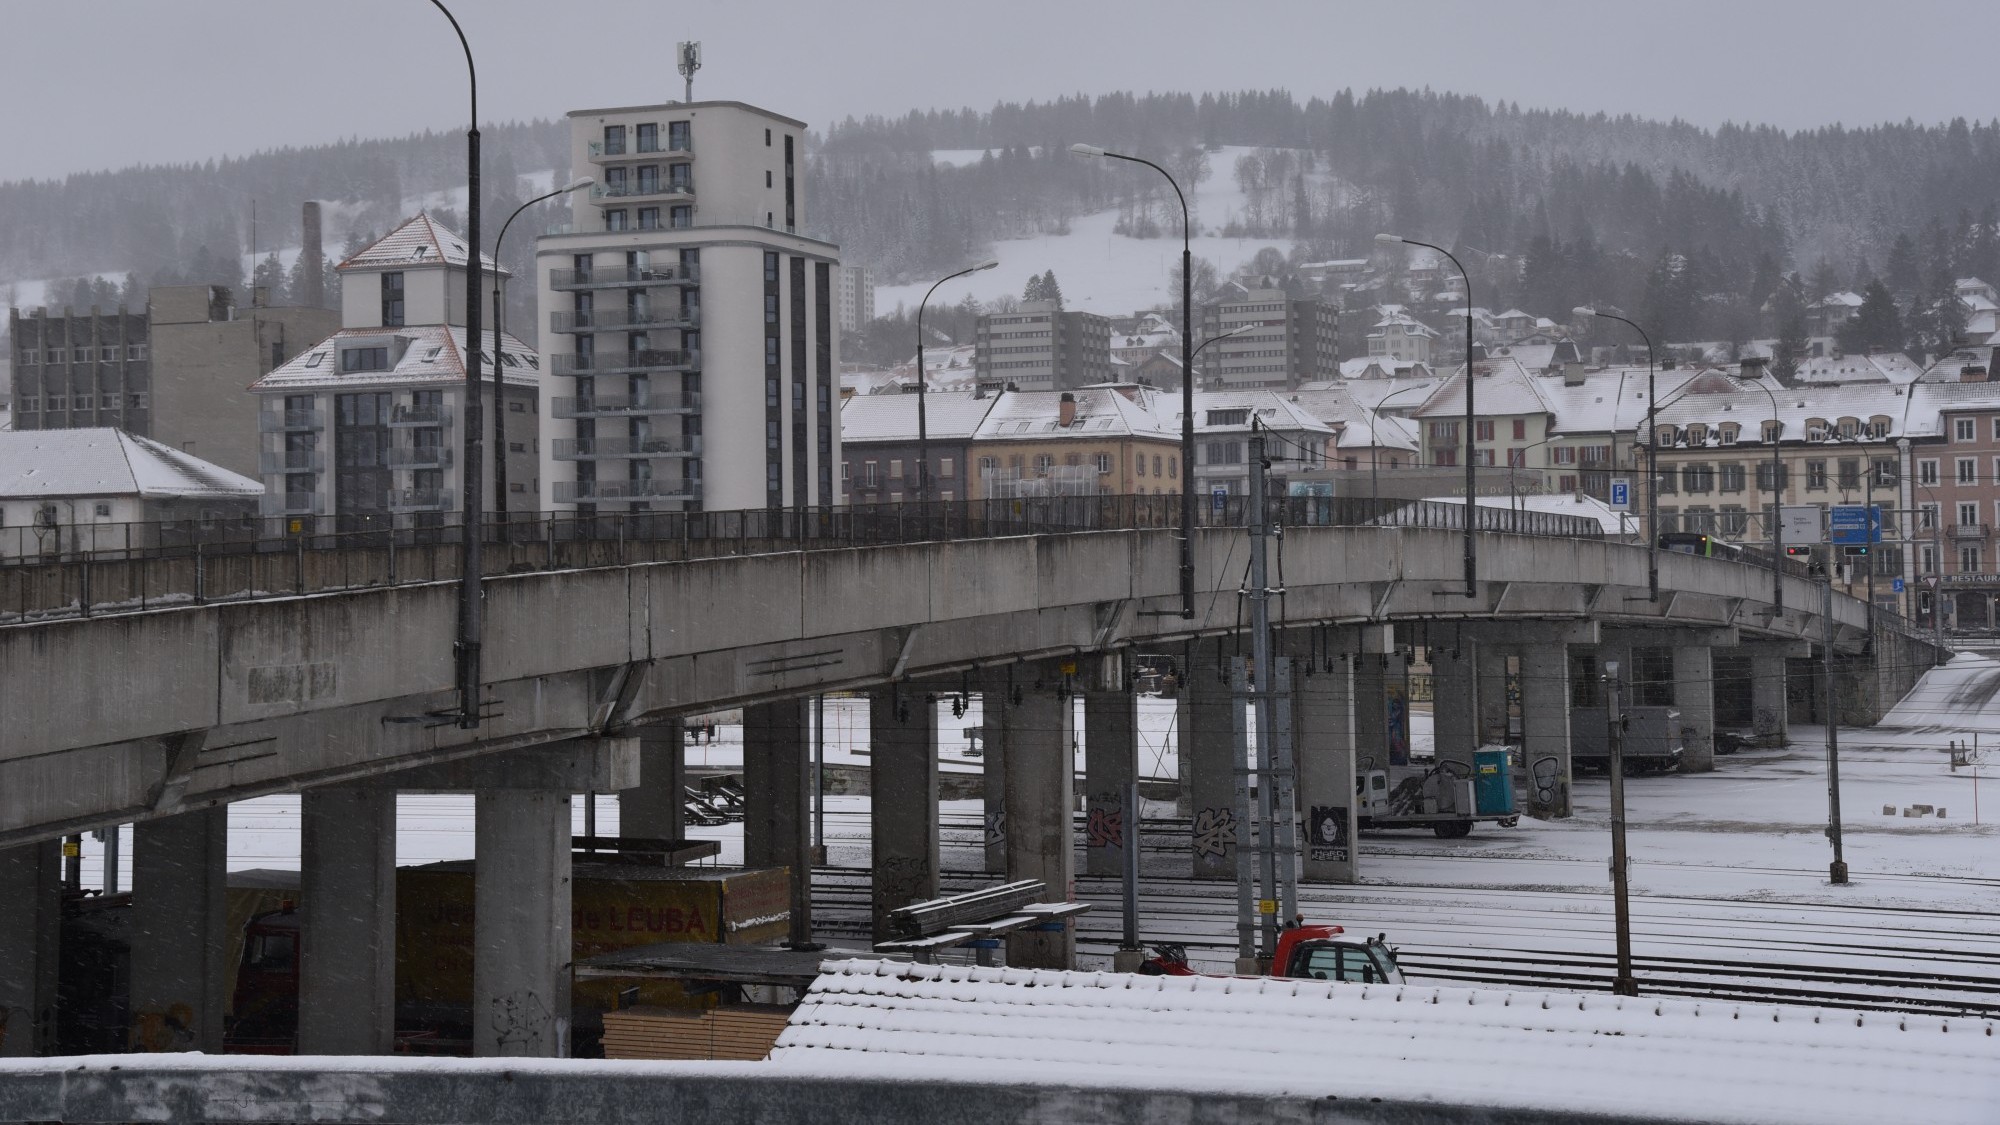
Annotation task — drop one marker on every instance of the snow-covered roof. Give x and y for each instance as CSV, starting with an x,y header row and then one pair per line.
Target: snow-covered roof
x,y
948,416
1339,406
431,353
1274,411
1612,400
1102,410
1713,398
1509,389
102,461
1845,298
420,241
1522,1052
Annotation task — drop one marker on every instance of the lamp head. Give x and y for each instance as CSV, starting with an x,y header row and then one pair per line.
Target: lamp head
x,y
1082,149
1584,310
1388,238
1241,329
986,265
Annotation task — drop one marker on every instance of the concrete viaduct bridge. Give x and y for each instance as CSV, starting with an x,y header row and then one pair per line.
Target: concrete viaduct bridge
x,y
215,685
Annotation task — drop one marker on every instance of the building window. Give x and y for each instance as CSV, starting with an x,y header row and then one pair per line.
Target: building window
x,y
1927,517
614,140
1732,477
1968,514
649,218
647,136
1698,478
677,137
364,359
1043,463
1927,472
1968,470
947,467
869,476
1816,475
1968,560
1482,430
680,217
1520,429
392,299
1103,464
845,467
1850,472
1962,429
616,220
988,464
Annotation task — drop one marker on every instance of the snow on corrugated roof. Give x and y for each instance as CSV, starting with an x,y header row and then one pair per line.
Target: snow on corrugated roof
x,y
1527,1052
101,461
420,241
948,416
432,353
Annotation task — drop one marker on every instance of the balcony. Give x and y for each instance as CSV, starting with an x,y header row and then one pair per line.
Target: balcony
x,y
419,500
595,449
428,414
600,491
280,421
618,277
619,363
1966,531
678,191
595,151
290,461
618,320
292,504
420,457
615,406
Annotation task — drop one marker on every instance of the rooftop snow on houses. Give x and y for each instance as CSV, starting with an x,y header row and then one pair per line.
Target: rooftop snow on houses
x,y
101,461
420,241
948,416
430,353
1102,410
1526,1051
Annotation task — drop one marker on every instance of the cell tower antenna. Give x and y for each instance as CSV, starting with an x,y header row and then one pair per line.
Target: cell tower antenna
x,y
690,61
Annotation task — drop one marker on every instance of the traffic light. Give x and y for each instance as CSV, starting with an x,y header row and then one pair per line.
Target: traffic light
x,y
1799,552
1853,549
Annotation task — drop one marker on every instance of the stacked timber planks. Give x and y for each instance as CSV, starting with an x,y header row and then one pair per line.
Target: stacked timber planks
x,y
737,1031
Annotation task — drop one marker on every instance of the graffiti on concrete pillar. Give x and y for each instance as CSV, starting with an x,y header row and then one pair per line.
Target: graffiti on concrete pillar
x,y
996,828
1398,704
1214,832
1766,720
904,879
168,1030
1551,791
1327,842
1106,827
522,1020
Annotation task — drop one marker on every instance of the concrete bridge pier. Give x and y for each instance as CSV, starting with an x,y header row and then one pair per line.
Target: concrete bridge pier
x,y
1770,711
30,947
996,709
347,954
1323,740
777,798
1040,799
1545,728
1208,749
1694,696
179,925
1492,700
656,808
1110,765
521,923
1455,701
903,816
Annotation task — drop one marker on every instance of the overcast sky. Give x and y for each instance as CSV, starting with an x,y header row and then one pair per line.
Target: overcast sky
x,y
92,84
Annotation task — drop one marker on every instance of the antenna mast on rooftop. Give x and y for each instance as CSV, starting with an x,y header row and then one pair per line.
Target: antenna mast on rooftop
x,y
690,56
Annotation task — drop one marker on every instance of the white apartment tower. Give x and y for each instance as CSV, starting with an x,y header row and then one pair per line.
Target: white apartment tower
x,y
692,331
857,298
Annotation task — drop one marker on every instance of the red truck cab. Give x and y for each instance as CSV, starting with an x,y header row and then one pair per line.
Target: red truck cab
x,y
1325,953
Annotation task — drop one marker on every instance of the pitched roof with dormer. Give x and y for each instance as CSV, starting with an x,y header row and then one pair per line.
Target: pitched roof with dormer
x,y
421,355
420,241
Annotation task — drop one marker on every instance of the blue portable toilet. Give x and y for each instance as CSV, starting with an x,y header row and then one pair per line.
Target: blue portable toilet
x,y
1493,781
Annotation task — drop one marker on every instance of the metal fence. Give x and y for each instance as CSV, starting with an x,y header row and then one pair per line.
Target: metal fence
x,y
81,570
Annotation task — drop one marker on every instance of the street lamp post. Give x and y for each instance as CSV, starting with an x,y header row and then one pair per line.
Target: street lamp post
x,y
499,368
1187,372
923,386
1777,503
1375,454
471,534
1652,454
1471,497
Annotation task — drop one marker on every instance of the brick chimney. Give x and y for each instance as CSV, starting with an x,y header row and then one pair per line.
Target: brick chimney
x,y
311,293
1972,373
1066,410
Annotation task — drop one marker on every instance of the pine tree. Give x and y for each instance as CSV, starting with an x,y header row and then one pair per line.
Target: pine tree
x,y
1877,324
1788,313
1050,290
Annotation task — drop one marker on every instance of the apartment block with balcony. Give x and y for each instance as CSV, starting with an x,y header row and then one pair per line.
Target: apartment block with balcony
x,y
1040,347
692,330
1293,342
361,431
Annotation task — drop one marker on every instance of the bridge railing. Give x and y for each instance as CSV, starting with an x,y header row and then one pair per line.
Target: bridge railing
x,y
78,570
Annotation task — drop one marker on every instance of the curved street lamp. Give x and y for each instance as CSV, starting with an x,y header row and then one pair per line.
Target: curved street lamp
x,y
923,386
499,407
1471,498
1375,451
1187,371
1652,454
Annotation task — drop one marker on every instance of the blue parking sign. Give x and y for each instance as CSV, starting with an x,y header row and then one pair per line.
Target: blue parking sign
x,y
1621,493
1219,499
1896,585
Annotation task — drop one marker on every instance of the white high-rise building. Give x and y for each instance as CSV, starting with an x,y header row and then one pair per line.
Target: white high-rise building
x,y
692,331
857,298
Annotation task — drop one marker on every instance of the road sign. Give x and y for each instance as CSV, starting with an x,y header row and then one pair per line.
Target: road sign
x,y
1621,493
1803,524
1896,585
1219,499
1855,524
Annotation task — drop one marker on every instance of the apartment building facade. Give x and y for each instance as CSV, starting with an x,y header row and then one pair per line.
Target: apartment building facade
x,y
692,331
880,451
857,298
1040,347
1295,441
1113,439
361,430
1290,341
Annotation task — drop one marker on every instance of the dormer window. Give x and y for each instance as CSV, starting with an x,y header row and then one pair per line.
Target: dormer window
x,y
1817,429
1228,417
1728,432
1772,430
1878,426
1850,428
1697,434
364,359
1665,435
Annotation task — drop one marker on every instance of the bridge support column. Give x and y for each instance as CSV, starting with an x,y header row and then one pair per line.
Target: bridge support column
x,y
1545,728
777,803
996,708
521,923
1694,695
1769,709
1455,704
30,947
903,817
1110,765
347,955
1492,701
1323,741
1208,747
656,808
1040,801
178,931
